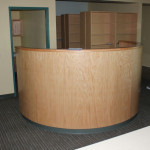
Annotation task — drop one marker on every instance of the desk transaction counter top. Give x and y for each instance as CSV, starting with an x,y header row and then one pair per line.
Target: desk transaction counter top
x,y
79,91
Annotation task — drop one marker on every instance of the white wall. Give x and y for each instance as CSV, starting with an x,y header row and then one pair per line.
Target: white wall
x,y
70,7
6,73
34,29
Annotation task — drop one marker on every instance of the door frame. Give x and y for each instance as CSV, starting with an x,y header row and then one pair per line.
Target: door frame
x,y
46,9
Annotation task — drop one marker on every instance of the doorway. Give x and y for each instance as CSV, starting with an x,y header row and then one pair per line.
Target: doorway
x,y
28,29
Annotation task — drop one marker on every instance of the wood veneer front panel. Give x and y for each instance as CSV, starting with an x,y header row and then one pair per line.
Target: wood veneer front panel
x,y
79,89
136,78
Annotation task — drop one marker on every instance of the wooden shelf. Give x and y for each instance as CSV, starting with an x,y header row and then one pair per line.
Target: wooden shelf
x,y
95,27
58,32
103,46
102,17
126,18
107,27
125,34
71,30
99,29
126,37
102,34
126,25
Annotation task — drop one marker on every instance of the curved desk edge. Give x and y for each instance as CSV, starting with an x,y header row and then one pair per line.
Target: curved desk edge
x,y
82,50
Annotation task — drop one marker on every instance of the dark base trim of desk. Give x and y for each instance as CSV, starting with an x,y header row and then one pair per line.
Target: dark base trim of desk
x,y
81,131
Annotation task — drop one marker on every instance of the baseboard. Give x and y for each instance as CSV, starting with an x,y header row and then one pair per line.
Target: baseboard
x,y
6,96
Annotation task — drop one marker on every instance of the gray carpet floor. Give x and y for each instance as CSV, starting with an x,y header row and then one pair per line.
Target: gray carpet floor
x,y
18,134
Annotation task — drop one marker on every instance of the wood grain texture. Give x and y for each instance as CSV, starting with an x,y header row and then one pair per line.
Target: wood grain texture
x,y
79,89
88,30
71,30
102,29
63,31
126,43
83,30
99,29
58,31
126,25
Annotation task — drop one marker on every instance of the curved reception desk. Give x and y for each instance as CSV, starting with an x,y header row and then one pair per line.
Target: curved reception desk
x,y
79,91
